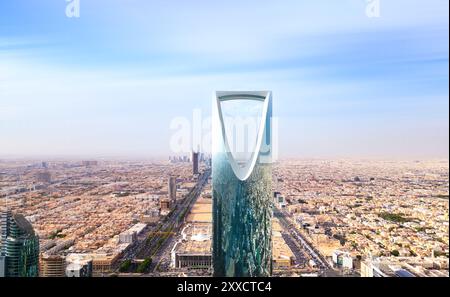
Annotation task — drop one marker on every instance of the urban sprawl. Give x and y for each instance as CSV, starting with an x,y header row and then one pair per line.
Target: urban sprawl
x,y
337,217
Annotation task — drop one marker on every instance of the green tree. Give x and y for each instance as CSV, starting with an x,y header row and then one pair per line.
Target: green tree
x,y
125,266
143,267
395,253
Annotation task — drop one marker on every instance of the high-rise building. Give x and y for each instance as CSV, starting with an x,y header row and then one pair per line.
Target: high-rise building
x,y
44,177
172,188
241,183
4,227
19,246
195,162
2,266
164,204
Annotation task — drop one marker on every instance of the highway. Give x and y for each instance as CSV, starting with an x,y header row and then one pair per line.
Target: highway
x,y
320,261
157,240
153,243
301,258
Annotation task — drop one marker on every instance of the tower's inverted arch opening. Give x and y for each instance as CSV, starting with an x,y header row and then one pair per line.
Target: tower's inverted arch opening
x,y
242,124
242,118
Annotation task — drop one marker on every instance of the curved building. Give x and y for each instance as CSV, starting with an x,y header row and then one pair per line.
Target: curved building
x,y
241,181
20,246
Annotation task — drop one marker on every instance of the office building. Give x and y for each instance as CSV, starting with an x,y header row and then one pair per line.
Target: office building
x,y
51,262
164,205
19,246
2,266
241,183
44,177
52,265
172,188
195,162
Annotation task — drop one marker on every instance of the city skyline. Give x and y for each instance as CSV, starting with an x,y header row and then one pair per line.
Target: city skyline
x,y
176,143
330,217
109,82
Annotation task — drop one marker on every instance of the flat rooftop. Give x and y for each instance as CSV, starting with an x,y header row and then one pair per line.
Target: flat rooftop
x,y
197,239
280,250
201,211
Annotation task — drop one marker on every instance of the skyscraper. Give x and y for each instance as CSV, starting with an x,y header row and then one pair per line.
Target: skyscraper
x,y
19,250
172,188
4,227
195,162
241,181
44,177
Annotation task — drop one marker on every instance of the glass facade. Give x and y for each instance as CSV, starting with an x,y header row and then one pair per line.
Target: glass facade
x,y
242,207
20,247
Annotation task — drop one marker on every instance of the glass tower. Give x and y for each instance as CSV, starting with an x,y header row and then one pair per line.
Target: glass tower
x,y
241,181
19,246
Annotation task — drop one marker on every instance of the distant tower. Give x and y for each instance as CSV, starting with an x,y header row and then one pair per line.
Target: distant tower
x,y
195,162
44,177
172,188
19,256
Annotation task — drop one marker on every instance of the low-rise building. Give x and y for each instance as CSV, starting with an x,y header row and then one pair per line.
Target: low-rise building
x,y
282,256
342,259
78,265
52,265
404,267
193,250
130,235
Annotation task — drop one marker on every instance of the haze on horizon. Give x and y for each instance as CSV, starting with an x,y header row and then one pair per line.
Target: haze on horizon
x,y
110,82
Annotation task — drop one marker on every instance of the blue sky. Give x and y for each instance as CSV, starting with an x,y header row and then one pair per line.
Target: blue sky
x,y
109,83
